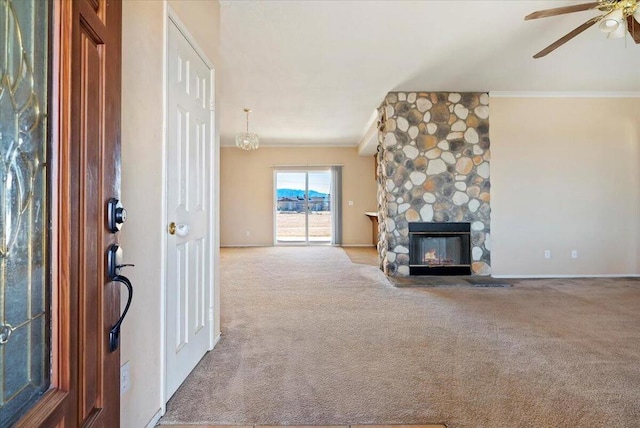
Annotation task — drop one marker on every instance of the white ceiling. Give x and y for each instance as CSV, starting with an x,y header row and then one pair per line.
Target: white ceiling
x,y
314,71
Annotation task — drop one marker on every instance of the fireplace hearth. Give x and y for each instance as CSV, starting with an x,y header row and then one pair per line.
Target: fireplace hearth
x,y
439,248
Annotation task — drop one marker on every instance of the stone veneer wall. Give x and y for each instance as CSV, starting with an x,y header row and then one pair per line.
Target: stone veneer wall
x,y
433,166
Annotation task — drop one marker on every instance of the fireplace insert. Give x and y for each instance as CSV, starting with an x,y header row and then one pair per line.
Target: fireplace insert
x,y
440,248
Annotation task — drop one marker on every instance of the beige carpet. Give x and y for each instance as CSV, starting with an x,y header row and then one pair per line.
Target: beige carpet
x,y
362,255
309,338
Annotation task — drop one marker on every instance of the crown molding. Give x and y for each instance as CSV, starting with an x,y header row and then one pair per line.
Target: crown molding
x,y
564,94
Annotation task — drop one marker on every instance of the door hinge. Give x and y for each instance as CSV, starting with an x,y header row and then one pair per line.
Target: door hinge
x,y
212,105
210,314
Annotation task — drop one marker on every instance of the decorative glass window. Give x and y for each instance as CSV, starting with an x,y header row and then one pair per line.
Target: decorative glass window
x,y
24,210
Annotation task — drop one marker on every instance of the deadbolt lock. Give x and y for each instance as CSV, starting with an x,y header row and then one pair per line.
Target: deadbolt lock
x,y
172,228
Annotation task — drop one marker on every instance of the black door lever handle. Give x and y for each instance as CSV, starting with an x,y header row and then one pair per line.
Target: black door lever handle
x,y
114,256
114,333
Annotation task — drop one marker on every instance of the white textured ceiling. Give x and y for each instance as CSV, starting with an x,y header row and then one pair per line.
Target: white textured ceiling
x,y
314,71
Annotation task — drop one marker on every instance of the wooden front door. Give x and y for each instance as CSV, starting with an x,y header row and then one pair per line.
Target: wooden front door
x,y
84,174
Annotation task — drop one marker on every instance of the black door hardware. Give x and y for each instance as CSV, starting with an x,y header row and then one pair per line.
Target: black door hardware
x,y
114,264
116,215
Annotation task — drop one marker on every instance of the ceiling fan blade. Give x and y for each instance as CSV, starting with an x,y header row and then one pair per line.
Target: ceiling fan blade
x,y
561,41
634,28
562,10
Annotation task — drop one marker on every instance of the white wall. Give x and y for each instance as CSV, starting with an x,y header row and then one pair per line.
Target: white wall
x,y
142,237
564,176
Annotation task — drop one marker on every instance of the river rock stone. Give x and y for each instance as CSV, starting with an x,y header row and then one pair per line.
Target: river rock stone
x,y
390,140
410,152
426,213
433,153
429,198
436,166
461,111
423,104
399,249
471,136
413,132
454,97
477,225
483,170
464,165
460,198
417,178
448,157
482,112
403,124
476,253
426,142
481,268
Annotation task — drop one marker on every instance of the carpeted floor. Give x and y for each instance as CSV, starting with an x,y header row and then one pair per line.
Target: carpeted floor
x,y
310,338
362,255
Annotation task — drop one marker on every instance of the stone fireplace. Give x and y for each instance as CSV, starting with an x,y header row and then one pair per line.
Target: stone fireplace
x,y
433,167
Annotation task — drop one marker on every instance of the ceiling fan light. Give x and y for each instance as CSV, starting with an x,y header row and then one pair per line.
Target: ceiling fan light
x,y
609,25
612,22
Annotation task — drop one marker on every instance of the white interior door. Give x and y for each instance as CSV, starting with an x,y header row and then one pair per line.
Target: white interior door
x,y
189,276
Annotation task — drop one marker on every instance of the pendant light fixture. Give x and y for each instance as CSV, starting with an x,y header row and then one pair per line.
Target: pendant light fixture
x,y
247,140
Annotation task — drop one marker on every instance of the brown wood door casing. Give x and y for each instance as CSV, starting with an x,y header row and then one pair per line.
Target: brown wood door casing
x,y
85,164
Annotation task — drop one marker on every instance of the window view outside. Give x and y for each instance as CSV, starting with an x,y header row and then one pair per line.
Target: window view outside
x,y
303,207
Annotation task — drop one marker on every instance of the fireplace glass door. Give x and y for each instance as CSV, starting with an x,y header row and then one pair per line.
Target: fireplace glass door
x,y
438,251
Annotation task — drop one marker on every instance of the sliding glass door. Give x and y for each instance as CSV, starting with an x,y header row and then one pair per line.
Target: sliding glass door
x,y
303,207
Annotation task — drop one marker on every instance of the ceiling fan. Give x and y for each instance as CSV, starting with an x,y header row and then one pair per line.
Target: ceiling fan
x,y
616,18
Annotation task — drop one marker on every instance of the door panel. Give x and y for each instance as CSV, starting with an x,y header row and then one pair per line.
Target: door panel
x,y
319,212
90,245
95,173
188,277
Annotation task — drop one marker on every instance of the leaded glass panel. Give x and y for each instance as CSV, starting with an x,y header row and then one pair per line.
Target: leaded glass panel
x,y
24,273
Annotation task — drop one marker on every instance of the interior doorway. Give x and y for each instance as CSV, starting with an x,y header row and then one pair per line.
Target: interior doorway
x,y
303,208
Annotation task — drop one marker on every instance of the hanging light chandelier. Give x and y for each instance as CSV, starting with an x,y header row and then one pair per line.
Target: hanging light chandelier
x,y
247,140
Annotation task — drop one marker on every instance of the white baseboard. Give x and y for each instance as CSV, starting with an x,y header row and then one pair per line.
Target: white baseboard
x,y
615,275
245,245
154,420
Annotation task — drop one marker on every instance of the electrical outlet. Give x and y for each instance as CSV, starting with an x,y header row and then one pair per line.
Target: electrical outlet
x,y
574,254
125,379
248,233
547,254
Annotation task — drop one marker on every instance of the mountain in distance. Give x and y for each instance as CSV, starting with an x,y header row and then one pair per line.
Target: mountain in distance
x,y
299,194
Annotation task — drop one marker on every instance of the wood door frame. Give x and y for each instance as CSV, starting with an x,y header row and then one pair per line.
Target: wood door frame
x,y
171,17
